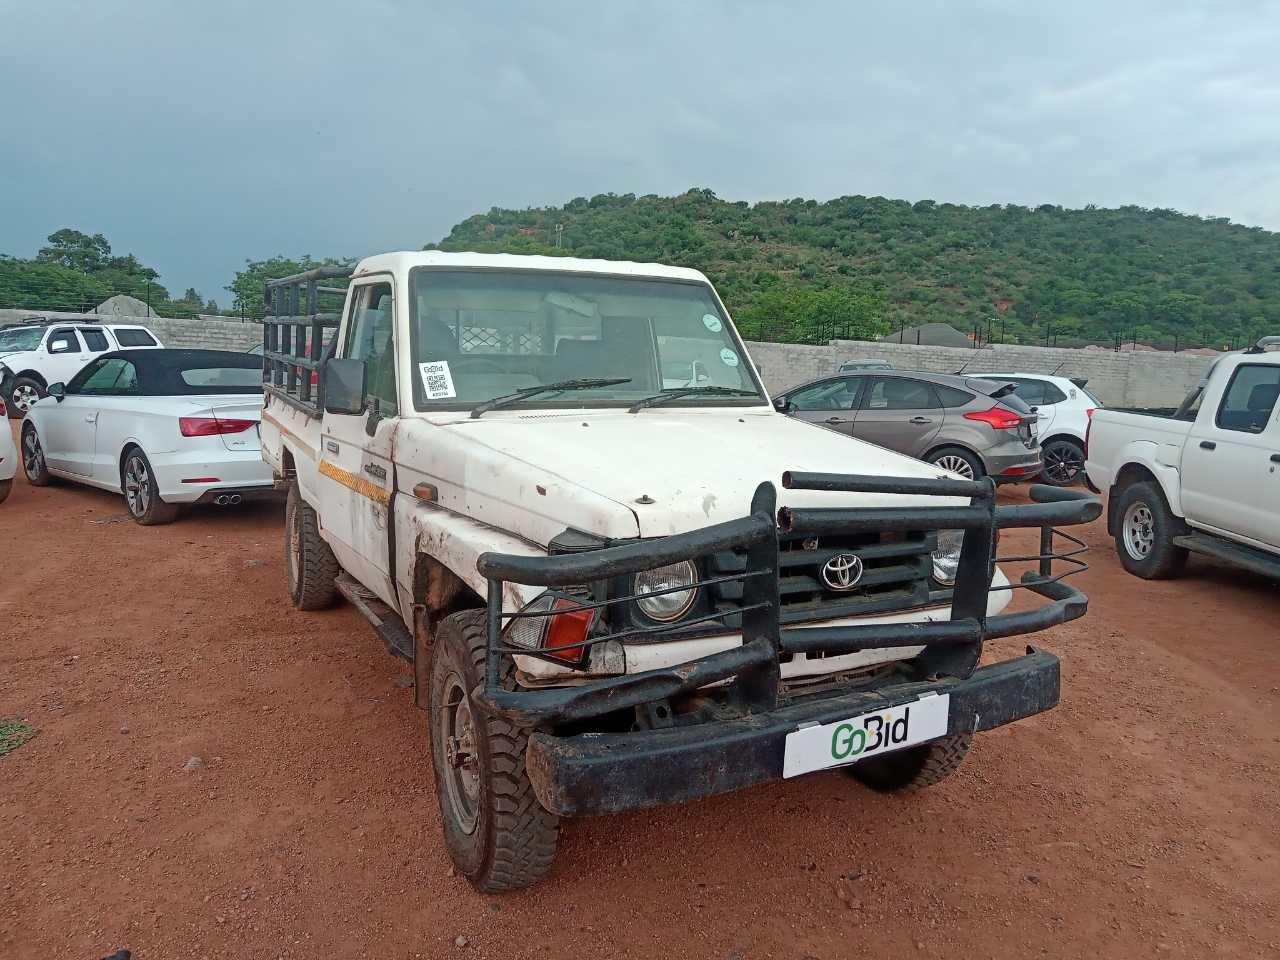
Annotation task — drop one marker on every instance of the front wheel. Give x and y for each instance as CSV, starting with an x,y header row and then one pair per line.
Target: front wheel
x,y
33,462
915,767
498,835
23,396
1144,533
142,493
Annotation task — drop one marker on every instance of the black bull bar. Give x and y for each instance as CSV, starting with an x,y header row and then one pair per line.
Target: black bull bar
x,y
952,648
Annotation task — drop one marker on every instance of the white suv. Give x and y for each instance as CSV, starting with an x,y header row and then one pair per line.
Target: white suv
x,y
1063,407
44,352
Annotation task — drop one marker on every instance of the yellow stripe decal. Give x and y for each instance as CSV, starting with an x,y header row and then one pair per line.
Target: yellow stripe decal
x,y
366,488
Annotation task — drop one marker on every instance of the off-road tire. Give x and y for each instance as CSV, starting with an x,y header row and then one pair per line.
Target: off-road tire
x,y
5,487
310,565
914,768
24,384
146,508
953,456
513,841
1166,559
33,463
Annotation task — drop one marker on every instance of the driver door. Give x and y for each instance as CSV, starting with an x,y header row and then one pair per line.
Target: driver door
x,y
357,478
829,404
69,427
66,355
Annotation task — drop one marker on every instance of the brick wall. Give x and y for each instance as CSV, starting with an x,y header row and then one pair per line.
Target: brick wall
x,y
1125,379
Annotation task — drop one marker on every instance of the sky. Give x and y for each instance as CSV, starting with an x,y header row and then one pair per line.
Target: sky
x,y
199,135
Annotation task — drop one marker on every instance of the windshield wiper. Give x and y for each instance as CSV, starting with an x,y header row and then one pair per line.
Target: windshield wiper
x,y
507,399
674,394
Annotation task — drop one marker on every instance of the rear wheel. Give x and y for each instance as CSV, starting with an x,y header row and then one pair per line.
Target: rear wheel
x,y
142,494
959,461
33,463
1144,533
914,768
23,396
498,835
1063,462
309,561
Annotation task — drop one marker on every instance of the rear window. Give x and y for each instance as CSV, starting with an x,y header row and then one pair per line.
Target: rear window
x,y
134,338
94,339
243,379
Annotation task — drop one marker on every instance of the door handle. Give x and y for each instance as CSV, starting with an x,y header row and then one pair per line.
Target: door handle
x,y
90,418
1208,445
920,420
1275,458
835,420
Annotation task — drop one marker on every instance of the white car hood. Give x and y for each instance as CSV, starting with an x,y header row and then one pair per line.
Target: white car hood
x,y
673,470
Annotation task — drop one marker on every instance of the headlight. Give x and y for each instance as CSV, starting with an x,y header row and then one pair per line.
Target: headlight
x,y
666,606
946,559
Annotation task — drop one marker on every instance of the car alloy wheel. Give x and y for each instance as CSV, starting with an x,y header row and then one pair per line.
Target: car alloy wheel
x,y
1062,463
24,397
955,464
1139,530
32,454
137,486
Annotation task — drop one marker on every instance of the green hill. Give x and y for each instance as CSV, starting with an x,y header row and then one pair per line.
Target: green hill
x,y
861,266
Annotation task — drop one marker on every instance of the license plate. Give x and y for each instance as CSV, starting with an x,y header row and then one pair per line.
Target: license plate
x,y
848,741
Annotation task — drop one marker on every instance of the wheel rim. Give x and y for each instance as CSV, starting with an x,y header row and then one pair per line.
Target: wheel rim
x,y
32,455
461,763
137,486
295,549
956,464
24,397
1062,462
1139,531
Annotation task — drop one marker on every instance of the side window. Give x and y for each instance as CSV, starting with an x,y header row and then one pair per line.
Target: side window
x,y
1250,398
1052,394
134,337
952,397
105,378
841,394
1030,392
371,338
94,339
63,340
899,393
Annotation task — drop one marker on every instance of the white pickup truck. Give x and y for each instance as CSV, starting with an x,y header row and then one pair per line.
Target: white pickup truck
x,y
587,567
1204,480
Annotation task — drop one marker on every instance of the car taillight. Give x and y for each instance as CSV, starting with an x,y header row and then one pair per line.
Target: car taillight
x,y
3,412
997,418
212,426
1088,429
1089,413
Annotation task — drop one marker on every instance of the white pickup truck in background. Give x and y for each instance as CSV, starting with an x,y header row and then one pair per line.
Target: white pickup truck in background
x,y
1204,480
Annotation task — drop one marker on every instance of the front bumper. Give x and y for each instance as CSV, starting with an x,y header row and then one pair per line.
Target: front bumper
x,y
609,772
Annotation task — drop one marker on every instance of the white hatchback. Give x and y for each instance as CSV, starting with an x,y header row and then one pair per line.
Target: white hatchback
x,y
163,427
8,455
1063,407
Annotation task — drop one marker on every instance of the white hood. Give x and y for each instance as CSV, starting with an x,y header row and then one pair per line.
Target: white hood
x,y
670,470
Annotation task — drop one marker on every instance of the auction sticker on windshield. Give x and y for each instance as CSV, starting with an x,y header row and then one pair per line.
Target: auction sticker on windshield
x,y
437,381
847,741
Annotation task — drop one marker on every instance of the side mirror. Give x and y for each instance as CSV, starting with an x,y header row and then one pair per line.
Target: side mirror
x,y
782,404
57,390
344,387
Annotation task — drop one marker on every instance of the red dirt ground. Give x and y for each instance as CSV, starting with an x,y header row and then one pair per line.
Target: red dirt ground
x,y
1138,819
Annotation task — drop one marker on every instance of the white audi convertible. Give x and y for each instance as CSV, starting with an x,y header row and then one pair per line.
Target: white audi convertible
x,y
163,427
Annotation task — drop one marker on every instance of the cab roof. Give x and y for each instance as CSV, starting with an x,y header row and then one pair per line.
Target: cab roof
x,y
402,261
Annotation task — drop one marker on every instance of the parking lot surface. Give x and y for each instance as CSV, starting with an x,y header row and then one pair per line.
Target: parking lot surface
x,y
219,775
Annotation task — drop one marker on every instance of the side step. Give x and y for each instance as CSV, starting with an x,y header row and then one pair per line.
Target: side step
x,y
1259,561
387,622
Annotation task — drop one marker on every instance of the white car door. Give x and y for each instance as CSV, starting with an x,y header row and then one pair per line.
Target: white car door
x,y
71,426
1228,475
64,355
96,341
355,470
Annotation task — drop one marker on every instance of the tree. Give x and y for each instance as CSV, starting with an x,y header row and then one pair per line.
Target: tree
x,y
247,286
79,251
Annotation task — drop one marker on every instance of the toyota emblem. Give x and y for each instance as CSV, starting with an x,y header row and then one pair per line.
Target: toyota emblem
x,y
842,572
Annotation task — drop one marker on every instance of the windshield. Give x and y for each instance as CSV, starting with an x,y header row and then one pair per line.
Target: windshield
x,y
28,338
480,334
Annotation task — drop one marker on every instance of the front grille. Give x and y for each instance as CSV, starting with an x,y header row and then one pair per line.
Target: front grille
x,y
895,576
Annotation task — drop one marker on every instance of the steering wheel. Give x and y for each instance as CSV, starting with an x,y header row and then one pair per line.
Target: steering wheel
x,y
478,365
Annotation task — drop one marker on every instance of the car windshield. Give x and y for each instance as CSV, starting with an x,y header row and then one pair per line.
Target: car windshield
x,y
480,334
28,338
